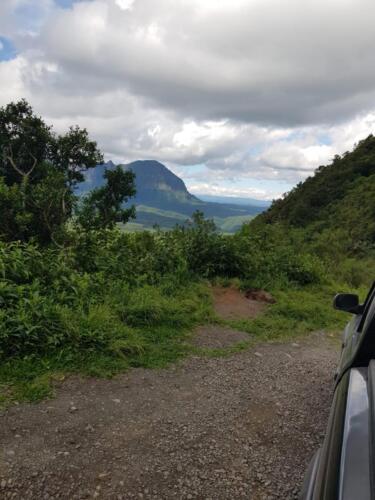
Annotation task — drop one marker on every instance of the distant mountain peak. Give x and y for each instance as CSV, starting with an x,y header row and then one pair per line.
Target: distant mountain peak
x,y
148,164
109,164
151,174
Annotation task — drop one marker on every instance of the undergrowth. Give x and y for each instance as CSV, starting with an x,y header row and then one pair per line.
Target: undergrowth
x,y
110,301
147,330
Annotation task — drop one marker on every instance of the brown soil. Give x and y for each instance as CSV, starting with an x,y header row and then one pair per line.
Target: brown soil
x,y
260,295
231,303
243,426
216,337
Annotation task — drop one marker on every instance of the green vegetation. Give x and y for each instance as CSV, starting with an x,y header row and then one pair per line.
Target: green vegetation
x,y
78,295
111,300
339,199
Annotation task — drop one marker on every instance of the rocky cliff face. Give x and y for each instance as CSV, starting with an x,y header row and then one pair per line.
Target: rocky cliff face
x,y
151,174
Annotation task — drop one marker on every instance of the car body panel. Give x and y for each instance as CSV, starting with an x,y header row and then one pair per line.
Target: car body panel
x,y
326,485
349,343
355,452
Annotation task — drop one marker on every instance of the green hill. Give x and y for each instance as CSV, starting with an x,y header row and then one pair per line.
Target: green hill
x,y
338,197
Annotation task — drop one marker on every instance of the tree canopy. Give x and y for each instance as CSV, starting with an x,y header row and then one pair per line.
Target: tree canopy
x,y
38,172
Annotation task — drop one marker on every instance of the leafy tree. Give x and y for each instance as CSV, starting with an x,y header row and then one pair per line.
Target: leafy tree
x,y
26,142
102,207
38,172
73,153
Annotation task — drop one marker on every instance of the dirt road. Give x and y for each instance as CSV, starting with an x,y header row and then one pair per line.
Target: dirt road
x,y
243,426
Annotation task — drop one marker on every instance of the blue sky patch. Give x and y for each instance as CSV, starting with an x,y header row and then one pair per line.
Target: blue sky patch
x,y
66,4
7,49
325,139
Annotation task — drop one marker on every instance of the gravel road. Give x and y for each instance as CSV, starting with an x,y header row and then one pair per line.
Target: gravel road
x,y
243,426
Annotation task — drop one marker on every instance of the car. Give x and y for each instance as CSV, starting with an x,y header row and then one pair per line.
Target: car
x,y
343,467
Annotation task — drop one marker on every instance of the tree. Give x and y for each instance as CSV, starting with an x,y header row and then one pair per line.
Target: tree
x,y
39,170
73,153
102,207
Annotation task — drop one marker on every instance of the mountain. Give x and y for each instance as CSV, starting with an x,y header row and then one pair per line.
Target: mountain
x,y
158,187
163,199
152,175
338,197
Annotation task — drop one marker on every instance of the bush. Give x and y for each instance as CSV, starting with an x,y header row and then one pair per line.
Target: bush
x,y
268,257
49,303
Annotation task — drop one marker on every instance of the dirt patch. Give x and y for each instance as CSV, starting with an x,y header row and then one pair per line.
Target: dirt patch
x,y
243,426
259,295
216,337
231,303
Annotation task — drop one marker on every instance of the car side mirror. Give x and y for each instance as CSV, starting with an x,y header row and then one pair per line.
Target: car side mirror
x,y
348,302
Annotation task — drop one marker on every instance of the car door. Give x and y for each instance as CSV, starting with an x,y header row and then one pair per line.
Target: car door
x,y
324,483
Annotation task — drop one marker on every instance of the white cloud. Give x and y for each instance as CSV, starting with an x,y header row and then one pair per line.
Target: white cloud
x,y
251,90
10,72
124,4
203,188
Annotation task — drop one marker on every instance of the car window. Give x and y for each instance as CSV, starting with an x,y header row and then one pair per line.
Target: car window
x,y
368,303
370,313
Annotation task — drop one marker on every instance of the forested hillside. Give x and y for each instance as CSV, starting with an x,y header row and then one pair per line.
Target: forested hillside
x,y
339,197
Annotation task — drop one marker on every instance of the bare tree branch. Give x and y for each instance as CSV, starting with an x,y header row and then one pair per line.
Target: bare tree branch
x,y
16,168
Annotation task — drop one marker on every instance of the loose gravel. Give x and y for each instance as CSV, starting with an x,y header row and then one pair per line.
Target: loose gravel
x,y
242,426
218,337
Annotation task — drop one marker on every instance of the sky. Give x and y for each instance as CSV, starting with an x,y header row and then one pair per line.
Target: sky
x,y
239,97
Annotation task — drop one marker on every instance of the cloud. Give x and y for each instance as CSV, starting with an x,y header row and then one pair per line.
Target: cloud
x,y
10,72
124,4
20,17
246,61
248,88
202,188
